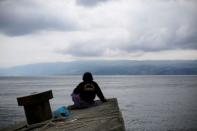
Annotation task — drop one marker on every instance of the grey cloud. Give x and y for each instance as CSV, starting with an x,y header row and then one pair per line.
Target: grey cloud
x,y
145,41
153,45
83,52
163,29
90,3
81,49
156,26
25,17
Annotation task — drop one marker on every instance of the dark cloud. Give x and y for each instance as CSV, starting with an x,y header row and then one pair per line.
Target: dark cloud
x,y
118,26
170,40
83,52
24,17
90,3
83,49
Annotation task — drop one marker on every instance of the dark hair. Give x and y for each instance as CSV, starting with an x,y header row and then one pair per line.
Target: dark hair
x,y
87,76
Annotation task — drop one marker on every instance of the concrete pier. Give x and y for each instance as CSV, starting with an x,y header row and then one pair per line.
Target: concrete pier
x,y
102,117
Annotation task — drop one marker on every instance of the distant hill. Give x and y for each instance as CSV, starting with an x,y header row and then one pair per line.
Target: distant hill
x,y
118,67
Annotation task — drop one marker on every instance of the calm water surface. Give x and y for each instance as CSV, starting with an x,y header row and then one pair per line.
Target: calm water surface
x,y
151,103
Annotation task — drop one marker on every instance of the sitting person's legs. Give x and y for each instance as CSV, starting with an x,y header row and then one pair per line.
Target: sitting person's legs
x,y
78,102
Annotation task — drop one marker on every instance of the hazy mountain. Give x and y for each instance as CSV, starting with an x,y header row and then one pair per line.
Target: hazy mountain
x,y
120,67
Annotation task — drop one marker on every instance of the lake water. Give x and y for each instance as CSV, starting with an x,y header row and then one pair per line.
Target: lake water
x,y
148,103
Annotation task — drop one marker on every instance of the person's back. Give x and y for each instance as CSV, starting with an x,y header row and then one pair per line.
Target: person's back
x,y
85,93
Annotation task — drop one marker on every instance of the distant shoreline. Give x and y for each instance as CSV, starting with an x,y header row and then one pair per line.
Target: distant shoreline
x,y
116,67
51,76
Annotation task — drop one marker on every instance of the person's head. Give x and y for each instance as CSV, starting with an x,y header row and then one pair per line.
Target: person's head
x,y
87,76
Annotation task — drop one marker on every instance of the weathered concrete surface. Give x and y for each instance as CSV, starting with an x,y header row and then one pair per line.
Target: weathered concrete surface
x,y
103,117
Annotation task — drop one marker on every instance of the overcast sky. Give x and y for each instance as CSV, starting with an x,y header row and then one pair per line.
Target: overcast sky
x,y
34,31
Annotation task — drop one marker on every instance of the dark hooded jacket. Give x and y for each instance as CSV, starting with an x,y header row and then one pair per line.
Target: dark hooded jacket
x,y
88,89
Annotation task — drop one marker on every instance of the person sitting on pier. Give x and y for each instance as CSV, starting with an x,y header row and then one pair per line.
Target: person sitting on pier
x,y
84,94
